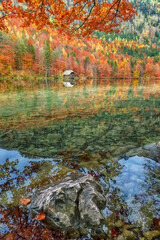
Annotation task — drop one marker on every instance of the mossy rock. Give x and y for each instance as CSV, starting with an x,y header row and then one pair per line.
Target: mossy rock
x,y
120,237
129,235
151,234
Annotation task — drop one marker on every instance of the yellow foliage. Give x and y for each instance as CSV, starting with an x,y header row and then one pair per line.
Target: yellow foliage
x,y
64,53
136,73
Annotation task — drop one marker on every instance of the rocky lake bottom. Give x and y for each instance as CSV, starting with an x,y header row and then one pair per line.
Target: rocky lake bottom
x,y
109,134
132,208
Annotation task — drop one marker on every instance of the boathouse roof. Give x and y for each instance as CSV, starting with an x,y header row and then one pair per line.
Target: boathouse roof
x,y
68,72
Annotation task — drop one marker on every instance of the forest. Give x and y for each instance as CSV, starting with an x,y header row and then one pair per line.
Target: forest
x,y
29,57
79,161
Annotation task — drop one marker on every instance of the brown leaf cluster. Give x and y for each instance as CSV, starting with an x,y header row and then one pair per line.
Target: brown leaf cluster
x,y
22,227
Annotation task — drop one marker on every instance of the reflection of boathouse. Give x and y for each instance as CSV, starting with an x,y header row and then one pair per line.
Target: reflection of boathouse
x,y
68,78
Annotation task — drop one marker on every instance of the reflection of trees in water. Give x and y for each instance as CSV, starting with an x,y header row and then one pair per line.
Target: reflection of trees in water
x,y
37,172
17,181
146,203
105,122
151,185
152,180
12,177
103,131
16,223
104,171
116,206
152,172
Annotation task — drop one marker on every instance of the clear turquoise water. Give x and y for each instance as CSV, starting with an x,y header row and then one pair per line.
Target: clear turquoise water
x,y
48,134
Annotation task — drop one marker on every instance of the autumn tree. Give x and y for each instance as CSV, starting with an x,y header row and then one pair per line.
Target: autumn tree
x,y
6,59
79,16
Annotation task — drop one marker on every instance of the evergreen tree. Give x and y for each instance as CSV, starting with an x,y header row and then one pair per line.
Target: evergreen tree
x,y
47,58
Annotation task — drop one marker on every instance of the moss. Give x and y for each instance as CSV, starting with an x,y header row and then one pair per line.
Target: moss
x,y
151,234
129,235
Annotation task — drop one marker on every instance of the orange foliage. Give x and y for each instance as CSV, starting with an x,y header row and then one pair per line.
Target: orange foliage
x,y
88,15
25,201
149,68
41,216
9,236
27,61
24,227
6,59
93,58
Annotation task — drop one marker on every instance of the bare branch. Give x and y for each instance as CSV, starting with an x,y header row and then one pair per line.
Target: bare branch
x,y
80,10
42,5
102,21
87,16
113,16
77,3
118,1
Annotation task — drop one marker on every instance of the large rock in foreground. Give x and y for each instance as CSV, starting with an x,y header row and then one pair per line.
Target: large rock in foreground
x,y
75,203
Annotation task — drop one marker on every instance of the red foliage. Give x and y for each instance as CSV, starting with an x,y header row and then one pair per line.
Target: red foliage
x,y
114,232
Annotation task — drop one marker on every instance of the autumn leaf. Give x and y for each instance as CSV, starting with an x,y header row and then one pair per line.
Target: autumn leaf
x,y
115,232
9,236
41,216
95,17
156,221
25,201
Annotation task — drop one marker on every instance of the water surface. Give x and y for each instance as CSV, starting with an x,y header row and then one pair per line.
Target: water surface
x,y
47,134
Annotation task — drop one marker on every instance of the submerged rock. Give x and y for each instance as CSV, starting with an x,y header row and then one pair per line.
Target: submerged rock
x,y
152,234
150,151
75,203
129,235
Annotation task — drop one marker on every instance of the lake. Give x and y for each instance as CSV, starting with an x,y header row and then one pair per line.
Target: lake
x,y
49,133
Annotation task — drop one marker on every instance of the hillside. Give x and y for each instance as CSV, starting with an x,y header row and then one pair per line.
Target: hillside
x,y
143,27
146,25
27,55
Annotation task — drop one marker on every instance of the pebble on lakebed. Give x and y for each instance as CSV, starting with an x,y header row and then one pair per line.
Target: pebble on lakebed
x,y
130,232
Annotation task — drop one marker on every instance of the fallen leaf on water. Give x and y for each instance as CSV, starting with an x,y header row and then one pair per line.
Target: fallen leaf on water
x,y
25,201
41,216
